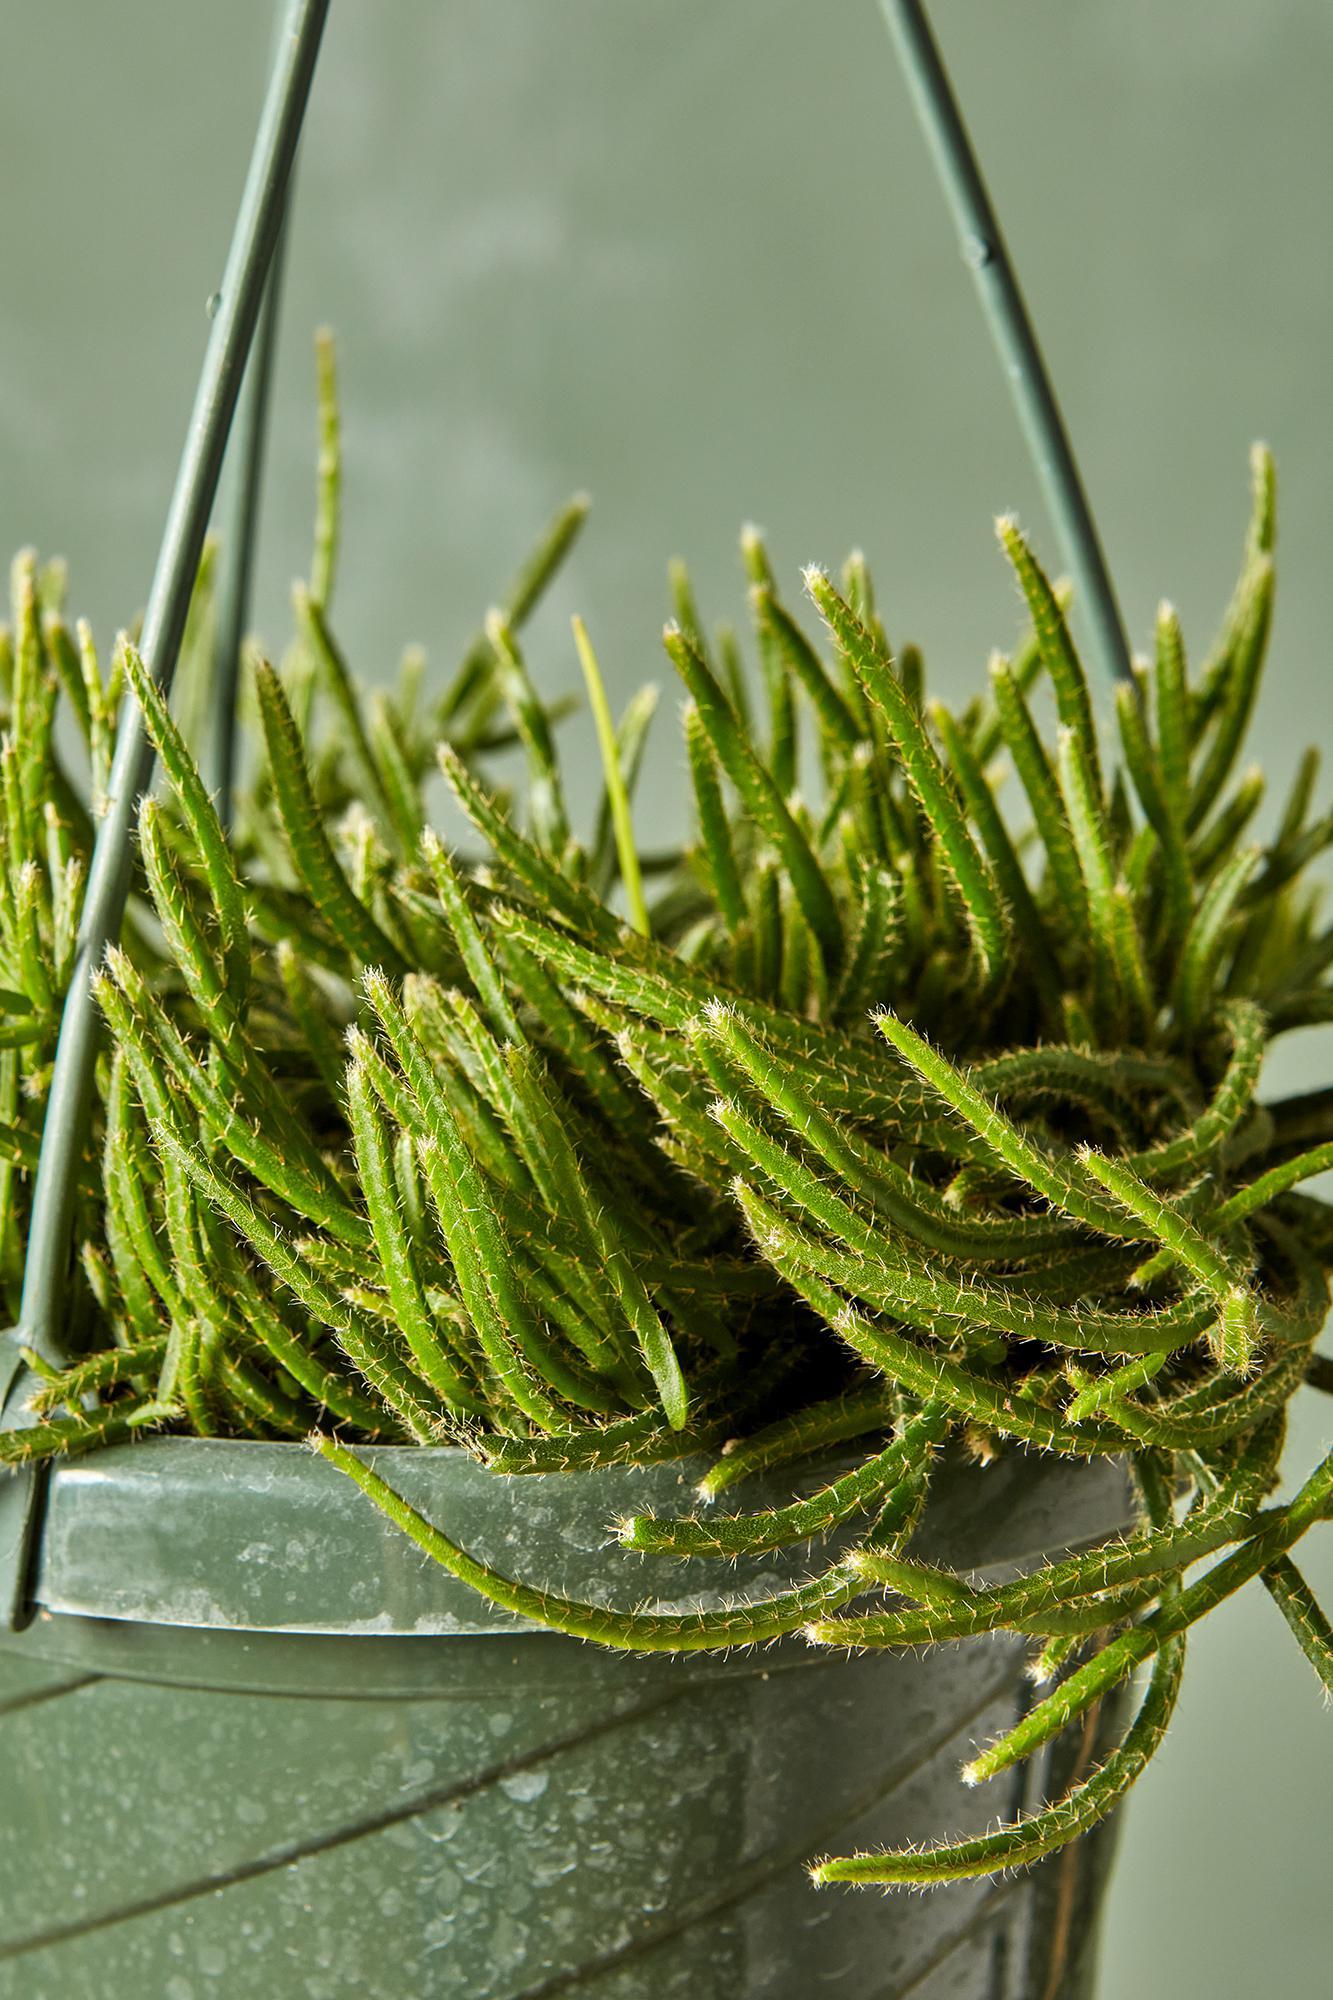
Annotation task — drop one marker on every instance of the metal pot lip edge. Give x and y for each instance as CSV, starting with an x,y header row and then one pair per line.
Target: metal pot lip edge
x,y
119,1511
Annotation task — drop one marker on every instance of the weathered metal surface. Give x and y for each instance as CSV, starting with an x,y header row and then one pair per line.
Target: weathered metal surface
x,y
483,1815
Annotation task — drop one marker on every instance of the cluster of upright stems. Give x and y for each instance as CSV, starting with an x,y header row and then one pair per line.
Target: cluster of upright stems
x,y
912,1105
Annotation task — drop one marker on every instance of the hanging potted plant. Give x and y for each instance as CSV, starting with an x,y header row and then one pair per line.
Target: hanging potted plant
x,y
843,1272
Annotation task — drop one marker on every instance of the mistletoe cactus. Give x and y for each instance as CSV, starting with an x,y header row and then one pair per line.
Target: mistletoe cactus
x,y
911,1107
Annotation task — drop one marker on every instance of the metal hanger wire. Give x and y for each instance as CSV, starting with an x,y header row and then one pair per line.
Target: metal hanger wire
x,y
237,310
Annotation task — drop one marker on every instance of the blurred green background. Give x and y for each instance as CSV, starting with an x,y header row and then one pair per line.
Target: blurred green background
x,y
689,255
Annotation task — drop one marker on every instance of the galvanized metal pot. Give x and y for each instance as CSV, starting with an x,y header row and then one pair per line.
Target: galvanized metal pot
x,y
254,1744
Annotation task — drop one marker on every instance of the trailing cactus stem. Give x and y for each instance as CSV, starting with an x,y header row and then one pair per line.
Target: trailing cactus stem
x,y
909,1105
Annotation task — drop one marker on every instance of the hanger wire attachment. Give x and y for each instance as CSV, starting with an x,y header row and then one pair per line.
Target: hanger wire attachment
x,y
235,313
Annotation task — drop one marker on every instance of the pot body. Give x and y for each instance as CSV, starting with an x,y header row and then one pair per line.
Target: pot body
x,y
252,1743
